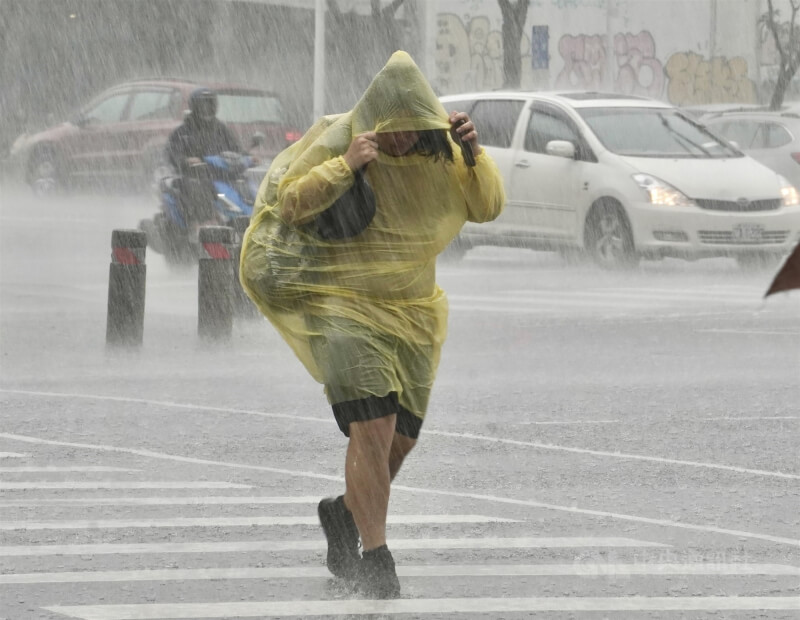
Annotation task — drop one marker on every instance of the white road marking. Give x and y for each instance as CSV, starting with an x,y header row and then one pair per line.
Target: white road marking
x,y
750,417
532,444
93,524
764,332
113,484
794,542
427,570
620,455
484,301
609,312
58,469
656,296
13,455
566,422
710,291
238,609
398,544
161,501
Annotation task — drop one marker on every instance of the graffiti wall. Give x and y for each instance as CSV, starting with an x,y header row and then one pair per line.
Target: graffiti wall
x,y
686,78
469,54
653,60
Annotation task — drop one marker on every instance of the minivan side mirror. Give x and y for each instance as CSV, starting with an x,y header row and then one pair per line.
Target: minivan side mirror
x,y
560,148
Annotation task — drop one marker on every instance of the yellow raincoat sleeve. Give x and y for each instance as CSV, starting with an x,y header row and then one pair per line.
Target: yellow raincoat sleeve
x,y
483,187
318,177
305,194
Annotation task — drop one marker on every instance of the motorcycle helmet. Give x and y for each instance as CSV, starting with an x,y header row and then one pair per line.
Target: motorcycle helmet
x,y
203,104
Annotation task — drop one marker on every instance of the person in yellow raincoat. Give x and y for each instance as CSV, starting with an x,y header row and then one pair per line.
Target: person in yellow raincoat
x,y
364,314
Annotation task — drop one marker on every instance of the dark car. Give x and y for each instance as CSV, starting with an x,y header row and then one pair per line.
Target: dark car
x,y
120,134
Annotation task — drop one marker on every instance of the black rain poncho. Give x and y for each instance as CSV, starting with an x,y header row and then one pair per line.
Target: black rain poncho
x,y
381,282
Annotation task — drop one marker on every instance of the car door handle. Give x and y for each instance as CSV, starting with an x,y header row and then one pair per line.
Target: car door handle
x,y
522,163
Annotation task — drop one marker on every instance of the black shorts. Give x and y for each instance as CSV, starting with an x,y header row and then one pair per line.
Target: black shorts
x,y
373,407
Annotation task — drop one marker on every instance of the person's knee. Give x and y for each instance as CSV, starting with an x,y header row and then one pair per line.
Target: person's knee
x,y
402,445
377,433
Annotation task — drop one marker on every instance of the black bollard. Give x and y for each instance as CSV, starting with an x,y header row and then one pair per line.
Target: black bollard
x,y
126,288
240,224
243,307
215,283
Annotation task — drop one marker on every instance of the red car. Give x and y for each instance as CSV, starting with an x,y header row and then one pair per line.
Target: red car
x,y
120,134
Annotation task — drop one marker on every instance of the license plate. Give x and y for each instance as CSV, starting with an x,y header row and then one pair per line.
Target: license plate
x,y
748,232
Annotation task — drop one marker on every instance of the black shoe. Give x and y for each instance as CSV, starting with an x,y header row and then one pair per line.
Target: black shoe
x,y
342,534
377,575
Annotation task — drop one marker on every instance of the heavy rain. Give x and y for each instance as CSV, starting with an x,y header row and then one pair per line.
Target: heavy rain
x,y
217,348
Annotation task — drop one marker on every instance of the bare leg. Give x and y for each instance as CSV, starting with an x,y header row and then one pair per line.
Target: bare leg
x,y
367,477
401,446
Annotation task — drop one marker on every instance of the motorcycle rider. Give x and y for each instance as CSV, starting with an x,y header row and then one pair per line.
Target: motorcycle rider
x,y
201,134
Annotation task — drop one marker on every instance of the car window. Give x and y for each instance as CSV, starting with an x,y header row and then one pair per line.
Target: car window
x,y
653,132
544,126
776,135
152,105
741,131
108,110
495,120
249,108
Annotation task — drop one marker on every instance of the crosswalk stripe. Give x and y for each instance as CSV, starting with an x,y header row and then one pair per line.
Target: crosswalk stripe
x,y
60,469
398,544
609,310
710,290
112,484
160,501
652,295
430,571
13,455
92,524
489,301
757,332
422,606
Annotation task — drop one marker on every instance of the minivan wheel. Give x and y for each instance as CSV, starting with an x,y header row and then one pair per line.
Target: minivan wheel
x,y
609,240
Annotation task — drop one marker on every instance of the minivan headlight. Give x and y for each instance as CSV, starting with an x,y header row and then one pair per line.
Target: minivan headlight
x,y
789,193
661,193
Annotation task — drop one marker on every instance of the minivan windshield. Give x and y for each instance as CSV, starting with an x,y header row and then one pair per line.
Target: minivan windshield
x,y
654,132
249,108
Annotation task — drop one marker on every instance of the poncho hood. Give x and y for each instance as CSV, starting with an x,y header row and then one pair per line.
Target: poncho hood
x,y
399,98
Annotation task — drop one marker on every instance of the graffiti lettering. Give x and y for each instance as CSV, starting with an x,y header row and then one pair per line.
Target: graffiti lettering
x,y
584,59
469,56
695,80
640,72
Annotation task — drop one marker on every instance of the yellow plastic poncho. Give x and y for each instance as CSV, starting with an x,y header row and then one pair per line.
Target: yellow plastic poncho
x,y
382,280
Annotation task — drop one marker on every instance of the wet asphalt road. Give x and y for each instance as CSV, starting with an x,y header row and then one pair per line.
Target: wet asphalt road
x,y
599,445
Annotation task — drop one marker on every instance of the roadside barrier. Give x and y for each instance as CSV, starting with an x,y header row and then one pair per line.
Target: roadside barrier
x,y
215,283
126,288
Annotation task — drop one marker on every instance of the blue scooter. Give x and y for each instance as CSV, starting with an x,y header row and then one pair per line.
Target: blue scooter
x,y
170,234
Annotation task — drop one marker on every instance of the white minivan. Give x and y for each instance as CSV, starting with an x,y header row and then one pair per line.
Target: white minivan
x,y
624,178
